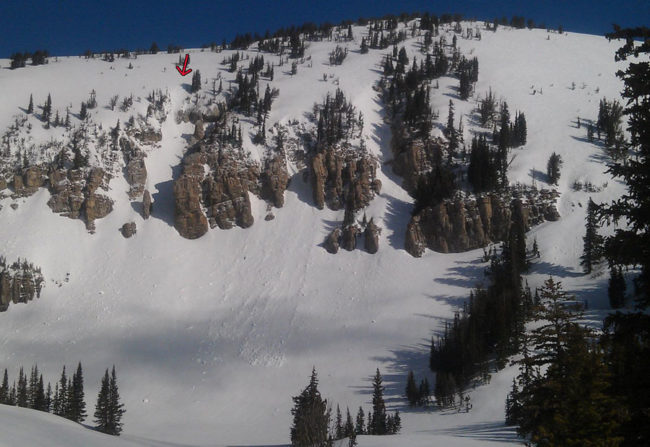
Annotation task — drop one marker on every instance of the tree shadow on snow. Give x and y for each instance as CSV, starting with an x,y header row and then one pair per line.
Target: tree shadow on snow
x,y
407,358
465,274
554,270
486,431
163,199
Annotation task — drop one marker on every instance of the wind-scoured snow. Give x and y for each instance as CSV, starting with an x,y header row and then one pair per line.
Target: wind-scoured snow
x,y
211,337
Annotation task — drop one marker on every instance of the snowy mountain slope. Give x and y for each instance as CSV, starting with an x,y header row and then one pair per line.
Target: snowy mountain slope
x,y
211,337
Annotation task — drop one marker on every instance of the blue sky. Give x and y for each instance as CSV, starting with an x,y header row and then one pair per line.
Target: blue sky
x,y
68,27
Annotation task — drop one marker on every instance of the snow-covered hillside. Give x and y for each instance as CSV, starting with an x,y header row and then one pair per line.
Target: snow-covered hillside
x,y
211,337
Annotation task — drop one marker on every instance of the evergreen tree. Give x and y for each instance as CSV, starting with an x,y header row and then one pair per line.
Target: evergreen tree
x,y
630,245
553,168
12,395
338,428
364,46
40,402
196,82
22,396
47,109
48,398
379,422
423,392
115,406
61,403
76,403
616,289
83,113
4,389
360,423
154,48
310,416
30,107
348,429
592,241
102,408
412,392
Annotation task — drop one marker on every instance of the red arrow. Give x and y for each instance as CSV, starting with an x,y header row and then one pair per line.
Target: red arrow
x,y
183,71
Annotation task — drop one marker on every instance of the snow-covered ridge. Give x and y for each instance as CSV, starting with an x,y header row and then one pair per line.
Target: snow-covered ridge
x,y
212,336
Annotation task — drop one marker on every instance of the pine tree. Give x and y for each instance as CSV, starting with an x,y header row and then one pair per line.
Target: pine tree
x,y
630,245
48,398
4,389
338,428
423,392
102,408
616,288
47,109
364,46
553,168
412,393
22,396
116,407
310,416
592,241
360,423
196,82
379,422
76,403
30,107
61,396
40,403
83,113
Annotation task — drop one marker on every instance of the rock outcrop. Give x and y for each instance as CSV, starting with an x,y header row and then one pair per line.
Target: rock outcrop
x,y
190,221
20,282
339,177
274,180
413,158
135,171
371,237
27,182
466,223
332,242
74,194
147,205
128,229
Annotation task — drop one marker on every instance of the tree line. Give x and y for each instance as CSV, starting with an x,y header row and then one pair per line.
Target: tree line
x,y
67,399
312,417
575,386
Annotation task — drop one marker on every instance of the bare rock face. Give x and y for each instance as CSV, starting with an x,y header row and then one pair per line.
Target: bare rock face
x,y
20,282
27,183
274,180
146,204
136,171
415,241
339,178
376,186
96,206
74,194
332,243
226,189
148,135
349,237
463,224
136,176
371,237
319,177
128,229
199,130
190,221
412,158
